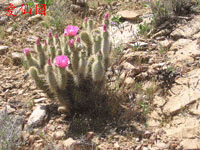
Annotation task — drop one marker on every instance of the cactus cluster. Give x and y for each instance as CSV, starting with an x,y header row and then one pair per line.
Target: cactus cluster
x,y
72,67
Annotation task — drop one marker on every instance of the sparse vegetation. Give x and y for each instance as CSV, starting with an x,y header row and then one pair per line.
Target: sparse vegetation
x,y
168,10
9,131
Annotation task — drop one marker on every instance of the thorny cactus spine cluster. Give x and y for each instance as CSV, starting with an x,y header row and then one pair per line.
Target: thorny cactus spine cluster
x,y
67,66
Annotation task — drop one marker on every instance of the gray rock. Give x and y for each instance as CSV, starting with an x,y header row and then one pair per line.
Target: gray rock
x,y
3,49
17,58
59,135
38,117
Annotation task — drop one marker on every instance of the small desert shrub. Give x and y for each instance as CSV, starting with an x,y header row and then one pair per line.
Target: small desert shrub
x,y
9,131
59,13
169,9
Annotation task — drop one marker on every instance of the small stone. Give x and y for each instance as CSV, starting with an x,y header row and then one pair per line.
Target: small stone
x,y
17,58
69,142
40,100
37,117
147,134
59,135
9,109
89,135
129,81
62,110
35,18
9,30
131,15
3,49
166,44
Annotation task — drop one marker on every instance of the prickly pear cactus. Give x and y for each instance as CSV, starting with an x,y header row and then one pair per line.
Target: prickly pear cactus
x,y
72,67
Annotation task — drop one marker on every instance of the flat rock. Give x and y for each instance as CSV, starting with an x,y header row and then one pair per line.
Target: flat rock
x,y
190,144
187,127
187,30
184,48
180,44
3,49
130,15
184,95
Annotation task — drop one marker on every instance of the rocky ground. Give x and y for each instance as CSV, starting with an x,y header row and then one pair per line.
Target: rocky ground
x,y
158,75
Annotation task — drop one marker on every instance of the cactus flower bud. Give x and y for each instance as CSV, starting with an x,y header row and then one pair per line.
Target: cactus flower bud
x,y
56,35
78,40
85,19
71,43
49,34
45,42
106,16
104,28
26,51
49,61
38,41
62,61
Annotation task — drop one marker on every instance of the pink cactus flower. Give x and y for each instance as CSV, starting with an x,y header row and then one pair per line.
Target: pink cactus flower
x,y
71,43
71,30
38,41
106,16
104,28
49,34
62,61
56,35
26,51
85,19
78,39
